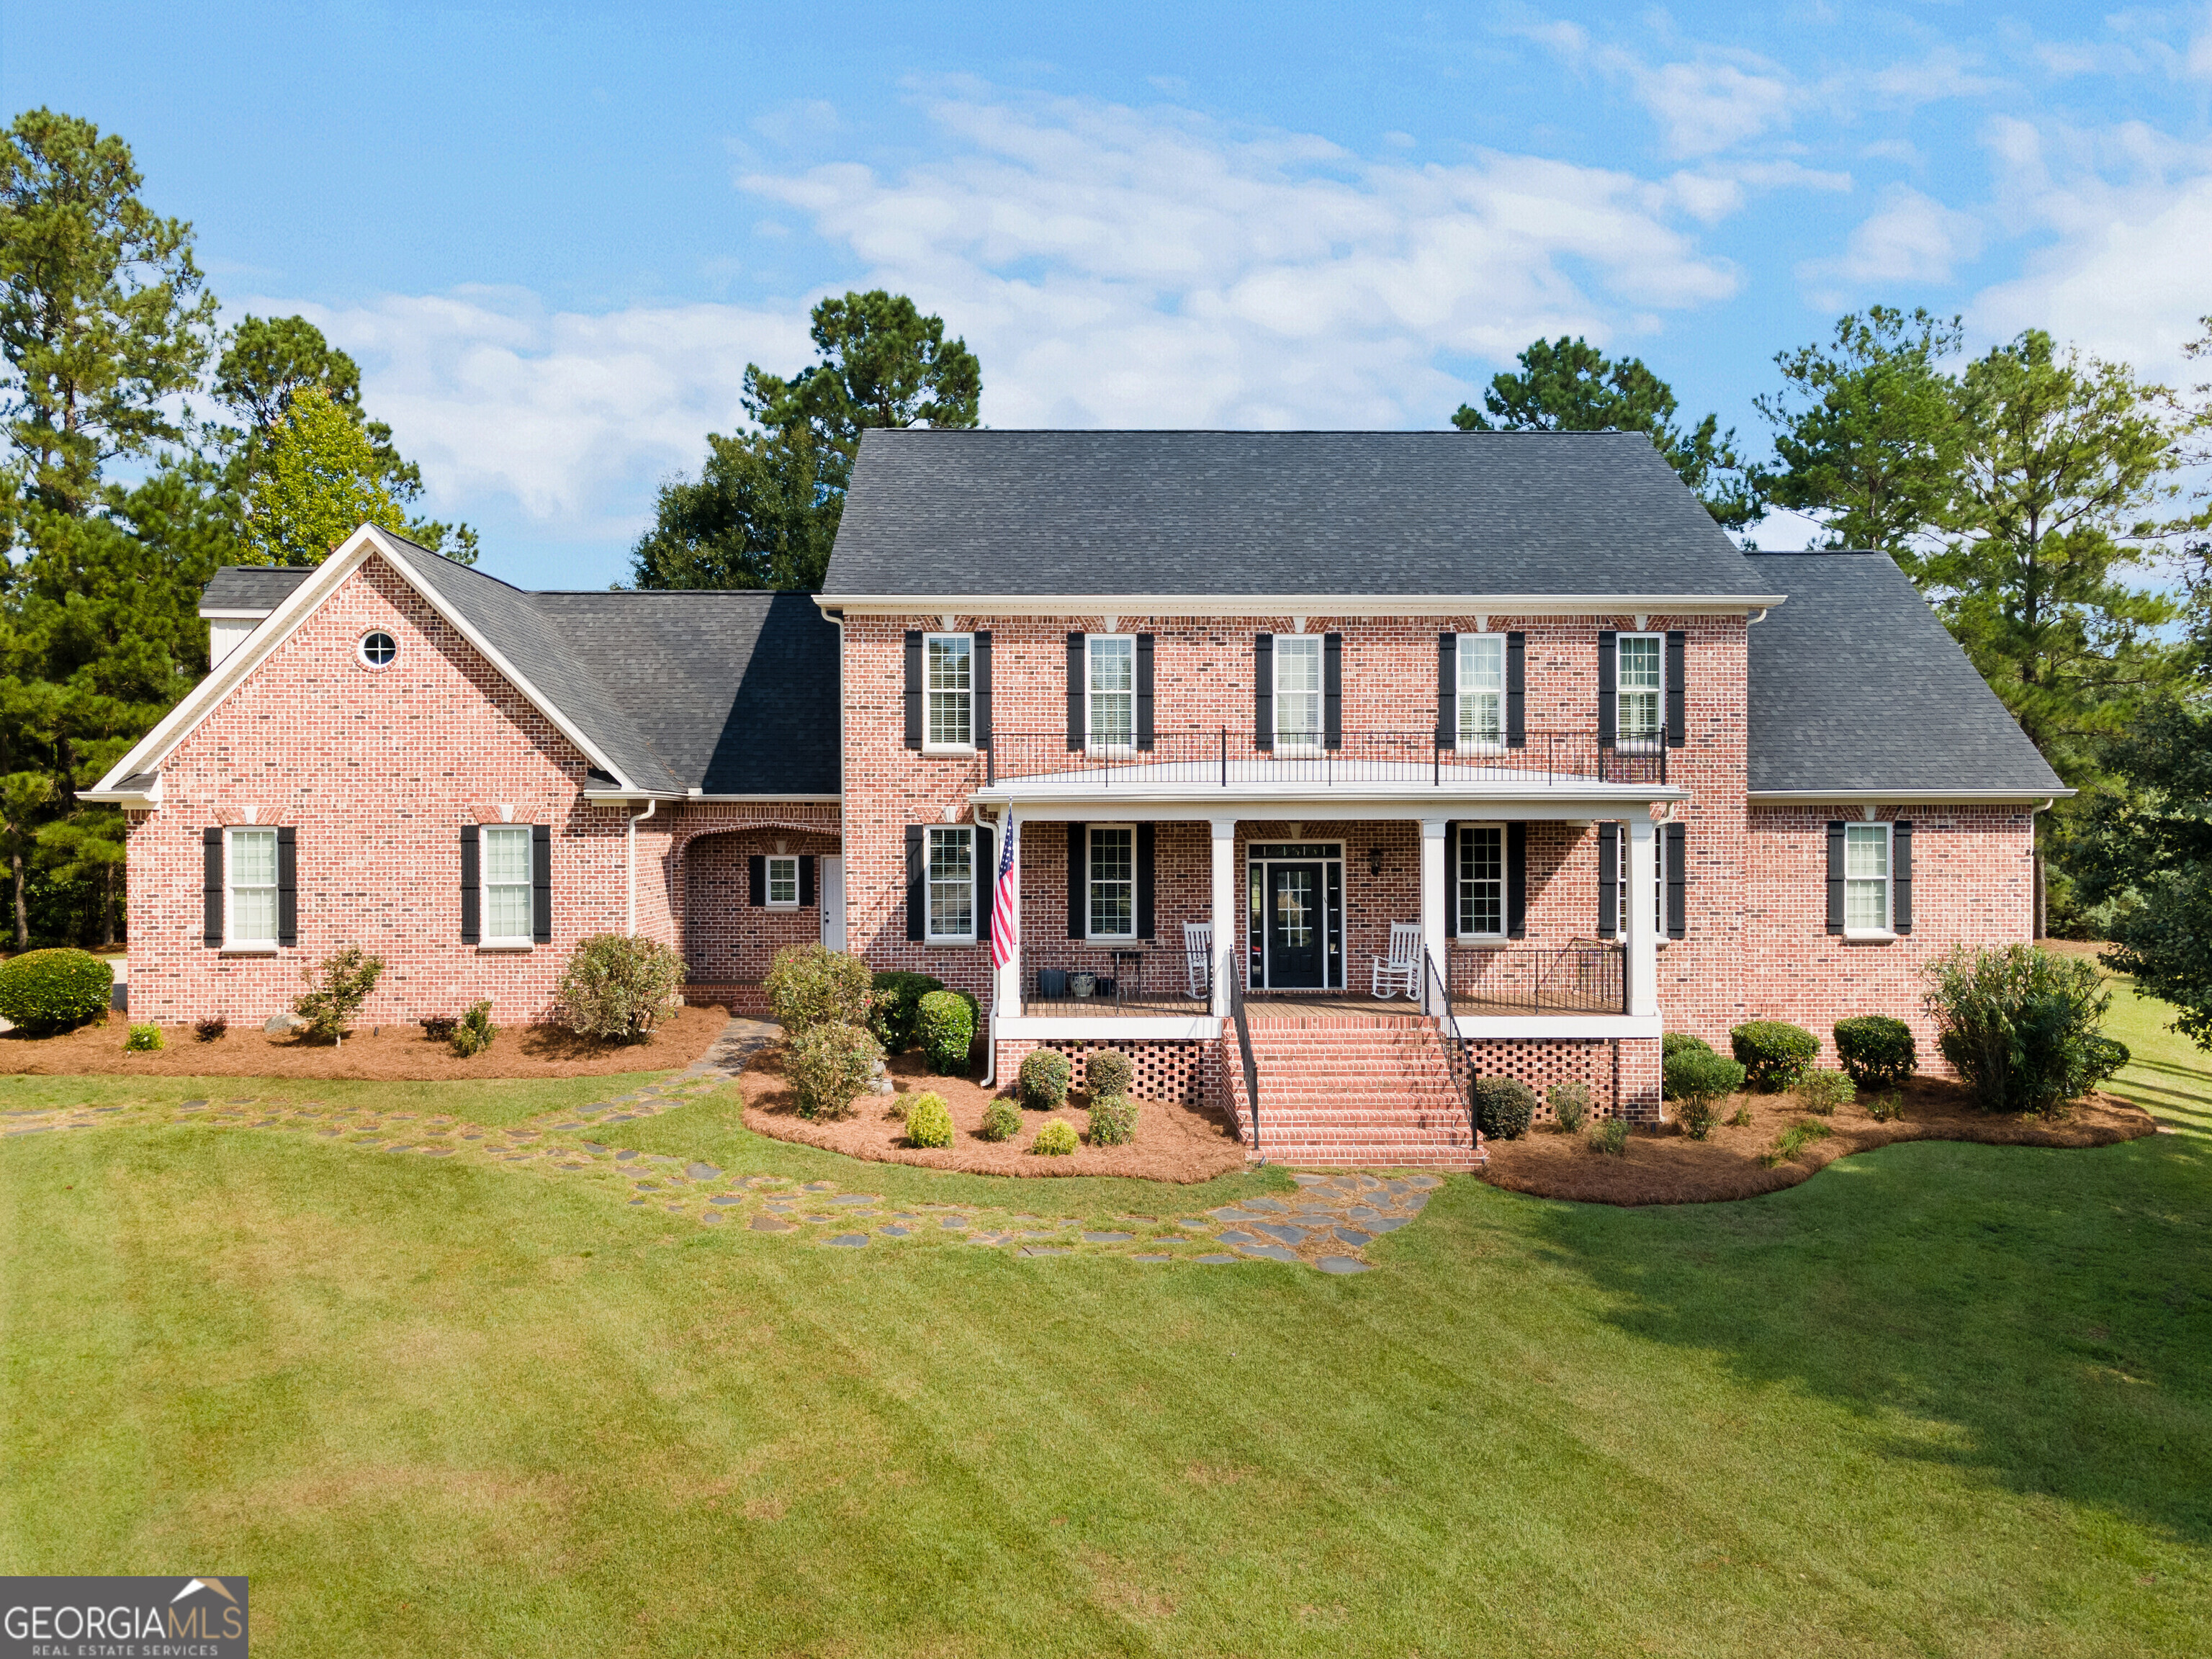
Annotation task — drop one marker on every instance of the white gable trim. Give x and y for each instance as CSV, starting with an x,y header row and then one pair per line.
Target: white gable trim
x,y
209,694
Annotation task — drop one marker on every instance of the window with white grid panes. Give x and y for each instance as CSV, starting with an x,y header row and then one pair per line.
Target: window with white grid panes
x,y
1639,681
1112,681
1297,691
1482,881
1866,878
951,886
1481,690
1112,869
948,663
783,883
250,889
505,849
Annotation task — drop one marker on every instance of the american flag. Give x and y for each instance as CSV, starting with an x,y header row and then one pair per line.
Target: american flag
x,y
1006,923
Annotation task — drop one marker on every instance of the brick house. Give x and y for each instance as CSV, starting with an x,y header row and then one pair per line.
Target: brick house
x,y
1264,716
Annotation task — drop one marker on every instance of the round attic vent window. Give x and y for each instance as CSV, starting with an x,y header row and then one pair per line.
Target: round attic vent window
x,y
377,649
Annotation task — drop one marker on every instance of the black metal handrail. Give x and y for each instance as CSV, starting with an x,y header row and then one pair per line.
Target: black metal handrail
x,y
1436,1002
1583,977
1235,984
1219,757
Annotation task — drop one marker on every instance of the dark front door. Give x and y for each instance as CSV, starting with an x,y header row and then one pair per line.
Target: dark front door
x,y
1298,934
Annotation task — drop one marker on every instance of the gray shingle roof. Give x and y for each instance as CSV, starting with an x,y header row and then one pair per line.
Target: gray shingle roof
x,y
935,514
259,587
1856,684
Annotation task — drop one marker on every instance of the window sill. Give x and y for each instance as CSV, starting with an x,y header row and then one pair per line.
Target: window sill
x,y
247,950
1116,942
951,944
1869,936
505,947
774,905
949,750
1482,941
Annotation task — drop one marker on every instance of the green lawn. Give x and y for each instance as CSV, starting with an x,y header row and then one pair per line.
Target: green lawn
x,y
494,1104
1939,1398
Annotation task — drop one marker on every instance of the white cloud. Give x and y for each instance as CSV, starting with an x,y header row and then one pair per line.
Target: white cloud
x,y
1911,238
1704,104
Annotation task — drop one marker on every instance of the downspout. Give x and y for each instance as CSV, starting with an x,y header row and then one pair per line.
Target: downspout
x,y
650,807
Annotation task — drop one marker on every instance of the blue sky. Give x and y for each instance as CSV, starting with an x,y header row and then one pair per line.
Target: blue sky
x,y
554,236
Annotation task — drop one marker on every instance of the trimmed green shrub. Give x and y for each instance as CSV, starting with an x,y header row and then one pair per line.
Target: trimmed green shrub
x,y
946,1027
46,991
1672,1042
809,985
1113,1120
144,1039
1822,1090
1610,1136
896,1004
1503,1107
1774,1052
337,988
1043,1079
618,987
1569,1104
2020,1025
1885,1108
928,1121
1002,1121
1108,1071
473,1031
1701,1077
1877,1051
829,1066
1056,1140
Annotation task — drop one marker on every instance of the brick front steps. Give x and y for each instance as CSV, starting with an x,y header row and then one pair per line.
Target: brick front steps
x,y
1352,1091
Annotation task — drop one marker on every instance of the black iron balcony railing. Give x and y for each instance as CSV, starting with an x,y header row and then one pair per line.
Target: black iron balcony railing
x,y
1222,757
1587,976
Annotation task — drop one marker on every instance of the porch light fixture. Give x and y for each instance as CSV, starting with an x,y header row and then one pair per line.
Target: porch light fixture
x,y
1373,860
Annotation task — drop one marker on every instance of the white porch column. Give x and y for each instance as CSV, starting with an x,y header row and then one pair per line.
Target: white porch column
x,y
1007,1001
1643,940
1433,896
1226,889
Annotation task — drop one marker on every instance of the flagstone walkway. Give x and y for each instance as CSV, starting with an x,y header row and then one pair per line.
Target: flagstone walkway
x,y
1325,1225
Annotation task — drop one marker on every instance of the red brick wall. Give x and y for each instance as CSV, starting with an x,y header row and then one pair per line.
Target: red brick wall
x,y
725,940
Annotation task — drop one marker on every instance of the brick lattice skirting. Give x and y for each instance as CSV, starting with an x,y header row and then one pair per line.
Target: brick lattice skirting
x,y
1165,1071
1541,1062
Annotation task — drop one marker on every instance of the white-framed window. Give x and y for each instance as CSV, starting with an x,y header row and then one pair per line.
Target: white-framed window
x,y
377,649
782,883
949,691
1297,691
1481,690
1482,880
1639,689
1866,878
508,889
952,886
249,887
1112,869
1110,679
1658,885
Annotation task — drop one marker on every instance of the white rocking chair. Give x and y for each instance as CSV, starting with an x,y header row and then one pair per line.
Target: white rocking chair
x,y
1198,958
1398,971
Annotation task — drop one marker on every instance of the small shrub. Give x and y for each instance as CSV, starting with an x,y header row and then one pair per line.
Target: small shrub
x,y
1113,1120
1569,1105
896,1005
1774,1052
618,987
1696,1118
1610,1136
337,988
1822,1090
1043,1079
1877,1051
47,991
210,1029
1672,1042
810,985
1108,1071
1795,1139
1503,1107
2020,1025
829,1066
1743,1118
1702,1078
928,1121
1056,1140
947,1030
1002,1121
144,1039
473,1031
1885,1108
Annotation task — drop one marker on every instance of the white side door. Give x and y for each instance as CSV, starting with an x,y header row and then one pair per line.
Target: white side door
x,y
833,903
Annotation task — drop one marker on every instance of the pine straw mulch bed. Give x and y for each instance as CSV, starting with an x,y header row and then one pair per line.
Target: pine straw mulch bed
x,y
392,1054
1665,1166
1173,1142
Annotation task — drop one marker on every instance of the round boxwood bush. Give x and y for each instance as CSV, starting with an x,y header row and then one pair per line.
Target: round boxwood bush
x,y
1503,1107
1113,1120
1673,1043
1056,1140
1700,1079
928,1121
1774,1052
1108,1071
1043,1080
897,1006
1002,1121
1877,1052
946,1027
46,991
144,1039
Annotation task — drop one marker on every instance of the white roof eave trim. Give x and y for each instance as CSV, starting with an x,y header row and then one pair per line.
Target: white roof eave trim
x,y
1904,797
1317,605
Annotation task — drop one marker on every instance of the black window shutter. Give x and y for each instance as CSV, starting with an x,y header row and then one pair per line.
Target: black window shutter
x,y
1677,654
1452,833
288,886
756,880
1516,879
1078,683
983,690
1144,881
1263,691
1447,695
1332,691
805,881
914,688
211,888
1516,690
471,891
1078,890
1900,876
917,881
541,871
1145,729
1609,880
1836,876
1606,668
1677,872
985,871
